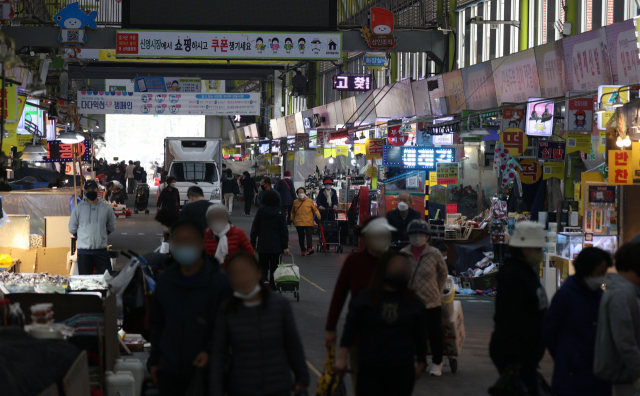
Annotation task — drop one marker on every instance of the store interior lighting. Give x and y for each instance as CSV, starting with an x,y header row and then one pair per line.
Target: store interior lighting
x,y
623,141
618,102
70,137
33,151
600,108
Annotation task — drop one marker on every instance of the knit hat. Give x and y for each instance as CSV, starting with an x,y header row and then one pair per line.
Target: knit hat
x,y
287,173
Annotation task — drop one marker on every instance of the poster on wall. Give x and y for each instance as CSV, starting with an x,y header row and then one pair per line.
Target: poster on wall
x,y
552,70
513,118
435,85
167,84
539,117
587,59
213,86
421,99
454,92
623,49
516,77
479,89
579,113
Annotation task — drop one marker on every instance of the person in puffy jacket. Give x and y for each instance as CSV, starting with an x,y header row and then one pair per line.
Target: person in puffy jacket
x,y
270,234
287,194
327,200
256,338
302,212
223,240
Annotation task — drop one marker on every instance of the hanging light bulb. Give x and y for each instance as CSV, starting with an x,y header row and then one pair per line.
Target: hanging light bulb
x,y
626,141
534,114
36,87
546,113
618,102
619,142
600,108
331,159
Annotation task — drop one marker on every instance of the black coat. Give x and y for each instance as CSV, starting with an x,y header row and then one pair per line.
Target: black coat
x,y
248,186
395,219
169,199
270,229
229,185
183,316
287,193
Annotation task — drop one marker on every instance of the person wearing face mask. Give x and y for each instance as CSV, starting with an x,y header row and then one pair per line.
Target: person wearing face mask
x,y
183,311
427,280
402,216
223,240
92,220
327,200
249,190
388,320
196,209
516,346
265,185
170,197
302,214
570,325
355,275
256,345
287,193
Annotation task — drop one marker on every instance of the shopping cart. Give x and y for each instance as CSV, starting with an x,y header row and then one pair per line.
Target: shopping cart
x,y
287,278
452,325
329,235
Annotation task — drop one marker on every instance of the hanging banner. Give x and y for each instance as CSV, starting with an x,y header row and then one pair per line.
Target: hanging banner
x,y
587,60
227,45
516,77
620,167
10,96
395,136
375,61
99,102
539,118
607,96
515,141
553,169
479,89
375,147
435,86
167,84
623,48
513,118
342,150
579,113
421,100
531,171
578,142
447,173
552,151
551,69
454,92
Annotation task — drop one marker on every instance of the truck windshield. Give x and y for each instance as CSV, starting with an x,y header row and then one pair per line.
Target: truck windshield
x,y
194,171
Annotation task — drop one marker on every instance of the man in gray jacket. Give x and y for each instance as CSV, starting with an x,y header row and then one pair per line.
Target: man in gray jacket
x,y
617,355
91,221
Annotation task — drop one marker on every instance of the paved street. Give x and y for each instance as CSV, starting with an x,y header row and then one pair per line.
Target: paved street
x,y
475,371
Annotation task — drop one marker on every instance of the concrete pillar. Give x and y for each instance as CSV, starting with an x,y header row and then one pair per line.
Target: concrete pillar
x,y
572,15
524,25
345,60
393,68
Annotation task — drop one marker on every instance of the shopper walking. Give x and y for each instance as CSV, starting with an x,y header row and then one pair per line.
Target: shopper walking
x,y
270,231
256,343
131,181
402,216
139,174
389,321
229,189
92,220
249,190
170,197
223,240
428,278
196,209
356,275
516,344
302,213
617,354
327,200
265,185
117,175
570,324
183,311
287,194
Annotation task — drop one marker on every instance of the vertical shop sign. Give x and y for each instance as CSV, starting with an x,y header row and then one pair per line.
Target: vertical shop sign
x,y
579,114
531,171
607,96
623,48
375,148
587,60
620,167
635,158
551,69
10,96
515,141
454,92
479,88
516,77
552,151
539,118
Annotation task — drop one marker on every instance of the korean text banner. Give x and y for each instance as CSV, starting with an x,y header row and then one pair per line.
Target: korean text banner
x,y
435,86
99,102
479,89
454,92
623,49
227,45
587,60
516,77
551,69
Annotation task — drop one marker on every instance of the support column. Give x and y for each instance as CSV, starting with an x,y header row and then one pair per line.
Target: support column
x,y
572,15
318,86
393,67
277,95
345,59
524,25
212,127
453,23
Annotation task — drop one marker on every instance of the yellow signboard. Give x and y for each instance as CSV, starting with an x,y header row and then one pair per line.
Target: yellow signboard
x,y
608,95
290,156
12,129
635,156
433,179
578,142
230,150
342,150
360,148
319,153
620,167
553,169
447,172
10,96
375,148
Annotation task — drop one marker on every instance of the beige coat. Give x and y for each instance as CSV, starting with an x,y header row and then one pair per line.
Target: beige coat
x,y
428,279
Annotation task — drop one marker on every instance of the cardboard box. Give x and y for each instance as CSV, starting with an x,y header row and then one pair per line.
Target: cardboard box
x,y
482,282
52,261
27,258
454,332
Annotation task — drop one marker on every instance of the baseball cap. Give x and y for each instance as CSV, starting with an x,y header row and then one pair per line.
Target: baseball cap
x,y
418,226
90,184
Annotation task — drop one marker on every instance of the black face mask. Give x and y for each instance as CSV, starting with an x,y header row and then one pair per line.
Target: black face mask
x,y
262,186
91,195
398,281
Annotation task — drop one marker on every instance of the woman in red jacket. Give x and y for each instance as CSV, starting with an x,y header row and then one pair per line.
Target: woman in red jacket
x,y
222,239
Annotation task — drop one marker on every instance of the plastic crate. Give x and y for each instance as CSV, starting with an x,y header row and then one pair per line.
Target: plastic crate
x,y
41,185
16,187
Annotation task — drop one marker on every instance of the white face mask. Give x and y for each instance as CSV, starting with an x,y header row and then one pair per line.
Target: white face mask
x,y
594,283
218,226
402,206
328,187
249,295
418,240
301,196
173,185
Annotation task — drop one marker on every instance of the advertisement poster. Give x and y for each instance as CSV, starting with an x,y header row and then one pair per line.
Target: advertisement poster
x,y
99,102
213,86
579,113
578,142
551,69
553,169
607,95
516,77
620,167
479,89
421,99
435,85
454,92
513,118
552,151
227,45
167,84
447,173
623,51
539,118
587,60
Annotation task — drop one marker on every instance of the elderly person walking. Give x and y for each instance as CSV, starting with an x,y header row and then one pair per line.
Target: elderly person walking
x,y
302,214
223,240
429,274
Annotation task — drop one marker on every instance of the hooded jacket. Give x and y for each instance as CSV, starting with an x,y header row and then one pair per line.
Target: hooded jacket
x,y
183,316
236,241
270,229
92,223
229,185
617,356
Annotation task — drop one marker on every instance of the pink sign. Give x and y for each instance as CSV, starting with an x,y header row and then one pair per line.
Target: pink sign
x,y
587,60
623,48
516,77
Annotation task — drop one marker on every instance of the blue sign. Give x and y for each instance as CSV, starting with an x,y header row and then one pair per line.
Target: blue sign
x,y
375,60
416,157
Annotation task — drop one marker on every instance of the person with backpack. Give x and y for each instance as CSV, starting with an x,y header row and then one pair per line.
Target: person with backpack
x,y
302,213
287,194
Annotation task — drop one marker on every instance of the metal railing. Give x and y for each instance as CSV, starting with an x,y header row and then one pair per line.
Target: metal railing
x,y
410,14
42,11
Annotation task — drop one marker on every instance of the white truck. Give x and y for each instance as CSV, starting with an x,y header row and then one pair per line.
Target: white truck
x,y
195,162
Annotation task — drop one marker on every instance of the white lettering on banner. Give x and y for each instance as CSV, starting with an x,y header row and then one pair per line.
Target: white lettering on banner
x,y
228,45
99,102
553,78
588,67
478,91
519,81
342,82
628,60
